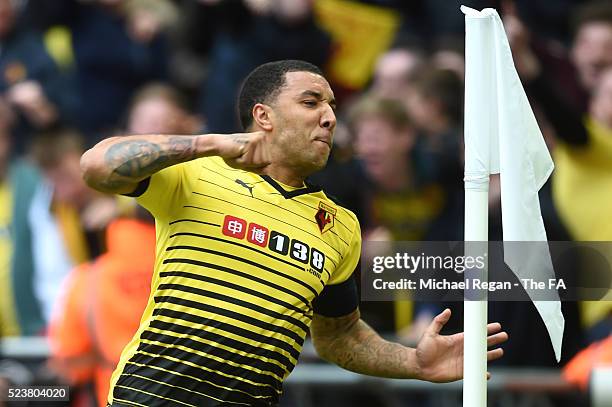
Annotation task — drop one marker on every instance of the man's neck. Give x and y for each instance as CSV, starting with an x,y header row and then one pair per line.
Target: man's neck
x,y
287,176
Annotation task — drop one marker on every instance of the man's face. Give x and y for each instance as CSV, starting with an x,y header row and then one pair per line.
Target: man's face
x,y
303,121
381,147
601,103
68,185
158,116
392,73
592,52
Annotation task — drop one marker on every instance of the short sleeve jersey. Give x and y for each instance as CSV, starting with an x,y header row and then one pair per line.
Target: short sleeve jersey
x,y
240,258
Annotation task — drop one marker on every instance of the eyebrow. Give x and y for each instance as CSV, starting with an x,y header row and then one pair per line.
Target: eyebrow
x,y
319,96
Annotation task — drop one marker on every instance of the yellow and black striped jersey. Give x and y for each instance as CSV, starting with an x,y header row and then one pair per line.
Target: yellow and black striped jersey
x,y
240,258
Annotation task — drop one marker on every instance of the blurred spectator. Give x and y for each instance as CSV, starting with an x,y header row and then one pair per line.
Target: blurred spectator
x,y
400,202
81,212
393,72
583,180
539,65
581,189
30,80
578,371
20,313
102,305
161,109
401,205
247,34
436,106
118,46
582,149
592,49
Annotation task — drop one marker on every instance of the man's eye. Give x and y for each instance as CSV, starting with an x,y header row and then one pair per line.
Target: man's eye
x,y
310,103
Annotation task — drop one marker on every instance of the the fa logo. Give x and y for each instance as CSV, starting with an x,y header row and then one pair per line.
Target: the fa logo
x,y
325,217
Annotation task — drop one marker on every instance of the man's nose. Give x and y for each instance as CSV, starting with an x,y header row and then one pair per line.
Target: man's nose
x,y
328,119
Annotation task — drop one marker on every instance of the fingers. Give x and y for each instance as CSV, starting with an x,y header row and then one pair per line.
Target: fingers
x,y
246,164
493,327
495,354
255,156
496,339
438,322
247,151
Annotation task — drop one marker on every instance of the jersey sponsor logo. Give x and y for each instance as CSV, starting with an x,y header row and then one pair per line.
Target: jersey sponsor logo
x,y
325,217
257,234
234,227
277,242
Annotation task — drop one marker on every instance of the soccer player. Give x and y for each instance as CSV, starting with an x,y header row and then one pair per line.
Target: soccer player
x,y
250,257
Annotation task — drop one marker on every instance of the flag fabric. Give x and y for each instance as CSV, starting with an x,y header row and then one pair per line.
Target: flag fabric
x,y
513,146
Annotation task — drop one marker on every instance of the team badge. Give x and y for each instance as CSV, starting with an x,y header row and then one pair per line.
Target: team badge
x,y
325,217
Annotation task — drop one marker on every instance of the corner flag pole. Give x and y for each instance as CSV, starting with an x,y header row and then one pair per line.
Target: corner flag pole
x,y
478,127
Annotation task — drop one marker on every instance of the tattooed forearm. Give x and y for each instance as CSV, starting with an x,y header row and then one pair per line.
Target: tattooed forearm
x,y
141,158
118,164
239,138
357,347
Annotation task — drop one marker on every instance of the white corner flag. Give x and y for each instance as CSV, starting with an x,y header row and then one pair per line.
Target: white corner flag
x,y
502,136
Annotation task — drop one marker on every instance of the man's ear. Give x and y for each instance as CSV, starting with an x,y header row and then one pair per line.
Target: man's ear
x,y
262,116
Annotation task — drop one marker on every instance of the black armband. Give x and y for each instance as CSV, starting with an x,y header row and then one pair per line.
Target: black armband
x,y
337,300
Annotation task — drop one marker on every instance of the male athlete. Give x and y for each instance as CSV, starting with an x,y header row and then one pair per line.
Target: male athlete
x,y
249,257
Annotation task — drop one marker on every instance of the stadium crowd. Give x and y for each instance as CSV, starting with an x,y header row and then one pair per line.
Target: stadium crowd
x,y
76,265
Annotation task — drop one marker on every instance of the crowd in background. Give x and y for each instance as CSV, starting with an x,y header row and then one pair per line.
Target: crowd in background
x,y
76,265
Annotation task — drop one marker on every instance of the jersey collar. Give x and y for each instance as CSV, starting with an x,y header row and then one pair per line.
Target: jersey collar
x,y
309,188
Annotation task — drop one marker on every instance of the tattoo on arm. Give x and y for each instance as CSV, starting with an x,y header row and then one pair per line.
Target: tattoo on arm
x,y
355,346
137,159
239,138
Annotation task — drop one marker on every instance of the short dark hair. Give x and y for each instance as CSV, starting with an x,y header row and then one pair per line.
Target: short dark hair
x,y
263,84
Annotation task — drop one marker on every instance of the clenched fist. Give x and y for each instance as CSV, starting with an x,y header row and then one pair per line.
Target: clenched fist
x,y
244,150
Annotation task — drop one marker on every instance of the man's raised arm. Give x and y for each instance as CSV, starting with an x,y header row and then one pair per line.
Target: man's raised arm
x,y
118,164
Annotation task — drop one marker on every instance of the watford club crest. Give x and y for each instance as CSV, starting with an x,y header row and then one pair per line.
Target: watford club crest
x,y
325,217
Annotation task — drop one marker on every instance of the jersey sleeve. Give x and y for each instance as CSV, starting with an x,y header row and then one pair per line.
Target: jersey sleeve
x,y
350,260
340,296
166,187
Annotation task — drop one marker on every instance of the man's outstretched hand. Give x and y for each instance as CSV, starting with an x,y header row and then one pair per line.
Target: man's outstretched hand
x,y
440,358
